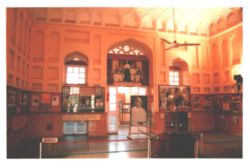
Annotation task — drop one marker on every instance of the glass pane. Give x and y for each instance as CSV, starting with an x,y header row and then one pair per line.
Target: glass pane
x,y
75,69
127,98
81,127
112,107
92,101
170,78
68,81
81,81
69,69
82,69
82,75
112,99
112,91
121,90
176,74
134,91
142,91
112,123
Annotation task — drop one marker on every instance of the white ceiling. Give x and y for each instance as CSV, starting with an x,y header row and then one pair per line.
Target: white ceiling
x,y
196,19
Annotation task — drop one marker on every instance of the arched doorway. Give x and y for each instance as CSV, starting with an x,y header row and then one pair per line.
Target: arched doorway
x,y
128,75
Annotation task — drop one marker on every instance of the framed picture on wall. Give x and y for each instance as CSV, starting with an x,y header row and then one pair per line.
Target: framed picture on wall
x,y
130,70
139,110
55,100
25,102
206,101
89,99
196,103
35,100
11,100
217,103
174,98
11,97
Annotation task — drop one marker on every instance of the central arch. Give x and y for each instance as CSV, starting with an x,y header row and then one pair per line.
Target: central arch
x,y
129,73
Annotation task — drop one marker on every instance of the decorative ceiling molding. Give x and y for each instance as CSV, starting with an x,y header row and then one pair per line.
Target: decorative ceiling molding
x,y
199,20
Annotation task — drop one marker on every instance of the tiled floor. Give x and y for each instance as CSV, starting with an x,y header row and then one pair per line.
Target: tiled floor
x,y
215,145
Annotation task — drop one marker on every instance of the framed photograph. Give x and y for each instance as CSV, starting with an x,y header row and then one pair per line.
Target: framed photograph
x,y
89,99
85,102
11,101
55,100
226,102
206,102
11,97
130,70
99,102
35,99
25,102
174,98
217,103
196,103
139,110
25,98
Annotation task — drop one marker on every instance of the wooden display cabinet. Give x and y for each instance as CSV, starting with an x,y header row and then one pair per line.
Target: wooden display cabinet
x,y
176,122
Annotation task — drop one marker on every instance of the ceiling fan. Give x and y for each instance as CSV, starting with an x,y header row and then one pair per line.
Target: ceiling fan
x,y
175,44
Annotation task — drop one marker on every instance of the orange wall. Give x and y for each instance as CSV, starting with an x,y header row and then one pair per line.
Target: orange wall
x,y
202,121
18,131
40,48
19,24
38,127
228,55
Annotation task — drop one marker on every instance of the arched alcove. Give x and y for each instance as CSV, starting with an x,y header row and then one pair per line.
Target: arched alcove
x,y
180,68
215,56
130,20
231,19
224,52
212,29
76,58
236,48
38,46
70,16
55,14
53,47
147,22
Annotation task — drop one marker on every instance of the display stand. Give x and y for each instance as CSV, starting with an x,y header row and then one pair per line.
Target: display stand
x,y
149,137
139,117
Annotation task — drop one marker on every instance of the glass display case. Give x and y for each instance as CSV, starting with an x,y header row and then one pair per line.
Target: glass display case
x,y
83,99
174,98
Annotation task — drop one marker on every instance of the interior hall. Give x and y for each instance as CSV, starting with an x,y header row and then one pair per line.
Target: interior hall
x,y
125,82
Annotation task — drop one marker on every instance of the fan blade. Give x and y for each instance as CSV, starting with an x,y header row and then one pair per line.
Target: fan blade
x,y
189,44
174,46
166,41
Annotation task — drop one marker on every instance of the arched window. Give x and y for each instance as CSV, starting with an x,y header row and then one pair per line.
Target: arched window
x,y
174,76
178,73
76,68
